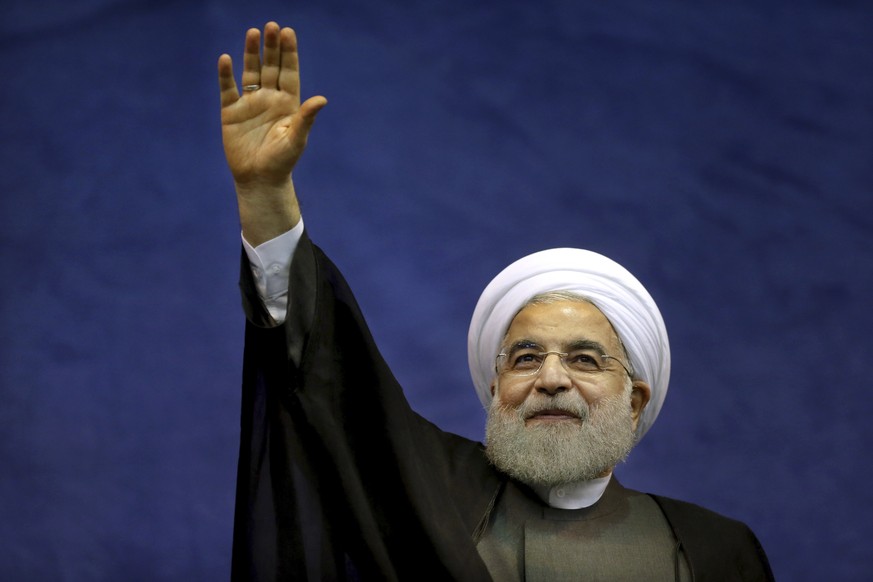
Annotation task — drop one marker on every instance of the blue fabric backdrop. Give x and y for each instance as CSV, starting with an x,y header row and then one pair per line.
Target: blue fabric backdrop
x,y
721,150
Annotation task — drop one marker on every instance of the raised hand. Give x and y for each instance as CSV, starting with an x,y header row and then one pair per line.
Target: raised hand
x,y
265,129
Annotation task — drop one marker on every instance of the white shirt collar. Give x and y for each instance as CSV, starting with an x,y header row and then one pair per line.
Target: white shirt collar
x,y
574,495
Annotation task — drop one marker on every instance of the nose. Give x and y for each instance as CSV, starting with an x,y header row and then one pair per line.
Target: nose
x,y
553,377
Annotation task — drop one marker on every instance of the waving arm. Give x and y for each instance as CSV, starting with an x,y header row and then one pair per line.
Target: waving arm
x,y
264,129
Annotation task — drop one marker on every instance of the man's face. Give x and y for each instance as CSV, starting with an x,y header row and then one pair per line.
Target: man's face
x,y
563,424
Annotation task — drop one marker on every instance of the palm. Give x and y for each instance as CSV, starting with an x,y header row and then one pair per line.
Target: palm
x,y
261,137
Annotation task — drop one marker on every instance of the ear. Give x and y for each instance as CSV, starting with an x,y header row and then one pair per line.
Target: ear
x,y
641,393
493,387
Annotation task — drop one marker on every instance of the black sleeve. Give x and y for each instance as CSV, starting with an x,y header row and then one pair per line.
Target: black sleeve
x,y
718,548
337,476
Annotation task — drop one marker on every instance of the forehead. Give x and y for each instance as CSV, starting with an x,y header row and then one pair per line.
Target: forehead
x,y
554,325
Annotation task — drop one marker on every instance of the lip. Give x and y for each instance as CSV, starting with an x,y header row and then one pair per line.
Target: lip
x,y
552,415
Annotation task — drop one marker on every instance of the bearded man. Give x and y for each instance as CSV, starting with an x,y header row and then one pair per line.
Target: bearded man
x,y
340,479
541,430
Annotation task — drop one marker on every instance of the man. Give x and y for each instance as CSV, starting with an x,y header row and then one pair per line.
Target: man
x,y
339,479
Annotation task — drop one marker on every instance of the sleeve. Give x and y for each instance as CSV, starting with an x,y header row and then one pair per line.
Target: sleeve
x,y
270,263
717,547
337,475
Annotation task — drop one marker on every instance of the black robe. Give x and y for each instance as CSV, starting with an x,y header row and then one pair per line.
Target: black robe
x,y
339,479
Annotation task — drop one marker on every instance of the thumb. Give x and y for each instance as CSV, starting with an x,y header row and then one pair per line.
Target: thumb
x,y
307,112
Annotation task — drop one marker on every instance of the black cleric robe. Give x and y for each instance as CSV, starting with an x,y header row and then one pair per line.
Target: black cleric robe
x,y
339,479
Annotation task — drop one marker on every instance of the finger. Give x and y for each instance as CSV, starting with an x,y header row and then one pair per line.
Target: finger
x,y
307,112
312,106
251,58
226,84
270,67
289,71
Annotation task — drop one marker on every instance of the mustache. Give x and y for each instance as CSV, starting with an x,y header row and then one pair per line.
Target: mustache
x,y
567,402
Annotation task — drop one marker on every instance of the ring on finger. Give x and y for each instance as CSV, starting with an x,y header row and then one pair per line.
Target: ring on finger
x,y
249,88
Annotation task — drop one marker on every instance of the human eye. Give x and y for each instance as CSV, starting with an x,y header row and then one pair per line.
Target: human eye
x,y
583,361
525,360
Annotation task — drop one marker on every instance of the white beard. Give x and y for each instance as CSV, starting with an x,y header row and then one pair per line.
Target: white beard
x,y
550,454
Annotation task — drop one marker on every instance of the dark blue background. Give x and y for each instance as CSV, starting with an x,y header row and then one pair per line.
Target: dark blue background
x,y
721,150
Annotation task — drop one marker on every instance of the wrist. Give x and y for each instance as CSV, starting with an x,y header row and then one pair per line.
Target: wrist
x,y
267,210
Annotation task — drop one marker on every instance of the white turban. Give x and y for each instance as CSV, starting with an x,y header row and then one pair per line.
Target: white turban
x,y
609,286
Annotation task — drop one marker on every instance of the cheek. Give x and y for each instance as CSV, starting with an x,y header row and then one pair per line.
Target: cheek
x,y
612,384
511,394
593,393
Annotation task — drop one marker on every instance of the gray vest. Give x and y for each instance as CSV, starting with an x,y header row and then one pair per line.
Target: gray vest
x,y
624,536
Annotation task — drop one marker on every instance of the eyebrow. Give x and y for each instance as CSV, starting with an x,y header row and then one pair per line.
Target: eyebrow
x,y
584,344
580,344
523,344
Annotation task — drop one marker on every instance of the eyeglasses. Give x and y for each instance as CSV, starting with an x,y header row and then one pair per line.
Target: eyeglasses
x,y
581,363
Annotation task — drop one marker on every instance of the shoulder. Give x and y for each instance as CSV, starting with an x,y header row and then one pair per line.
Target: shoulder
x,y
714,543
698,515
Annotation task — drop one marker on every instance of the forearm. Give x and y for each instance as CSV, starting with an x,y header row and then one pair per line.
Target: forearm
x,y
267,210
